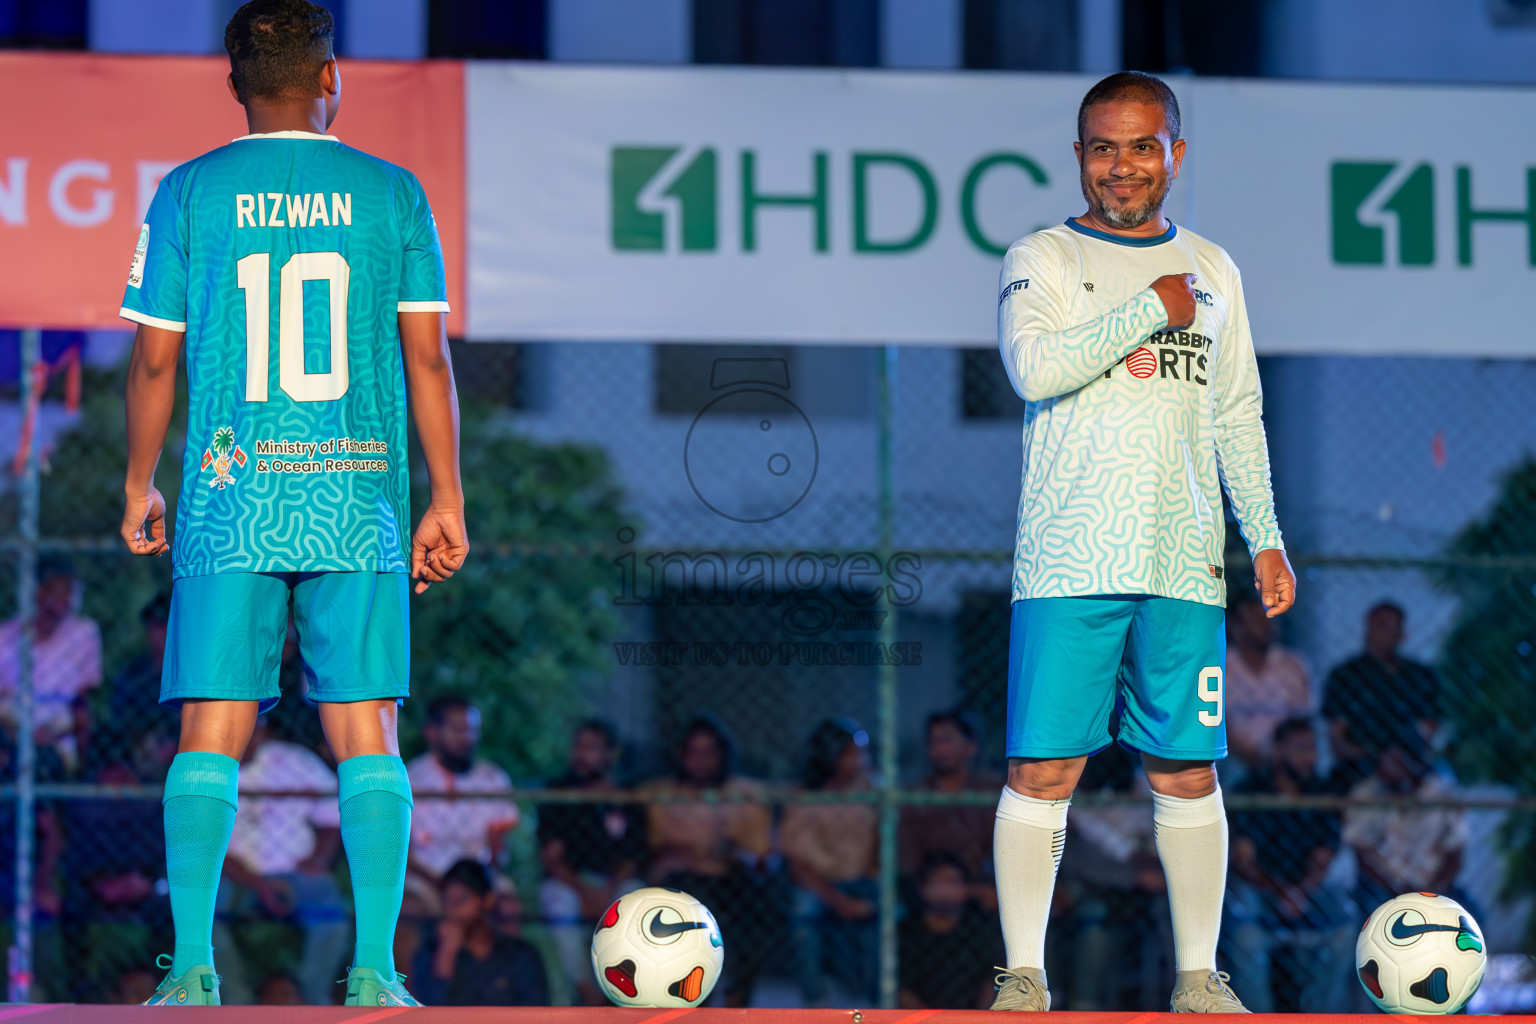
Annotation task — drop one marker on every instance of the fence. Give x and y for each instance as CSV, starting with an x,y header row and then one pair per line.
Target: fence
x,y
774,571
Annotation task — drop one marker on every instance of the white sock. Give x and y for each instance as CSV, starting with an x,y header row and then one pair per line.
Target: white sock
x,y
1192,843
1026,851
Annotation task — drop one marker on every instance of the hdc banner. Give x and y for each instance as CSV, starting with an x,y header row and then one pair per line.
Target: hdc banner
x,y
867,207
84,140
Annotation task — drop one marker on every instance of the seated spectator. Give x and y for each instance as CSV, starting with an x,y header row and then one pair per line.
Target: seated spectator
x,y
833,855
964,831
137,730
279,868
1409,849
1265,684
1369,693
717,851
114,858
444,829
1113,893
66,659
949,949
1290,934
468,962
591,854
279,989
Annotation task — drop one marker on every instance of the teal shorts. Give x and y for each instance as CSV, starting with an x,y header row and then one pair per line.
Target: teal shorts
x,y
226,635
1073,660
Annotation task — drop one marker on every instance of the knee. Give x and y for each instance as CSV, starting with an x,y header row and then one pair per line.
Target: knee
x,y
1044,780
1185,781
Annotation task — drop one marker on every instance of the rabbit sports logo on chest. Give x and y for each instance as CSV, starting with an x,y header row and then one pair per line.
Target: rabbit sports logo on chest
x,y
223,455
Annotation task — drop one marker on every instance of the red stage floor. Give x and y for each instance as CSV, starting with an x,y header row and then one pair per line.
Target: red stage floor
x,y
59,1014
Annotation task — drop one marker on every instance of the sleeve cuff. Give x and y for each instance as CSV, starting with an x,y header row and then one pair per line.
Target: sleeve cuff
x,y
1267,542
433,306
152,321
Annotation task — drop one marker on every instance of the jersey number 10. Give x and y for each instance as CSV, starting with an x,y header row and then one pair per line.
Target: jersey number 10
x,y
254,277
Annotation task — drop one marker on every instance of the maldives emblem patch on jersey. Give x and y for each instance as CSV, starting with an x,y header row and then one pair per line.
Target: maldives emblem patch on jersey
x,y
223,454
136,269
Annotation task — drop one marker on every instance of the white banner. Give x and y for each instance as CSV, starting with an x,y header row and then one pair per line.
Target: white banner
x,y
869,207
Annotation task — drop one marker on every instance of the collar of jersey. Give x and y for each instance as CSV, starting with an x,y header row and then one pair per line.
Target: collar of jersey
x,y
288,135
1139,243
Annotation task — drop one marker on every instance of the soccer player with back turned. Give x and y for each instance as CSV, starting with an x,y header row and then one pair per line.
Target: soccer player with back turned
x,y
305,281
1128,339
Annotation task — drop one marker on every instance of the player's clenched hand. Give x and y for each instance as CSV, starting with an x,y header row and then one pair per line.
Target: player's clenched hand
x,y
1274,580
439,546
1178,294
144,522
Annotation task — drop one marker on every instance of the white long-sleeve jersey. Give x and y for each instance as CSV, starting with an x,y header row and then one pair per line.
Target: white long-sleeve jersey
x,y
1131,430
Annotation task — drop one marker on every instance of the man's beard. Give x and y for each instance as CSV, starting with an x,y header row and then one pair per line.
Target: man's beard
x,y
458,765
1127,216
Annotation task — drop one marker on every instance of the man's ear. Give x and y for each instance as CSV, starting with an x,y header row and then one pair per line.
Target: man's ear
x,y
330,78
1077,147
1178,156
230,81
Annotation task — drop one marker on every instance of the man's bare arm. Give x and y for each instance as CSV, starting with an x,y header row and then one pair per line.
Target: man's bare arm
x,y
441,540
149,402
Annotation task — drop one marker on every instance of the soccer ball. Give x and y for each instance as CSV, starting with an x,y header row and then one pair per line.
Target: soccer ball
x,y
657,947
1420,953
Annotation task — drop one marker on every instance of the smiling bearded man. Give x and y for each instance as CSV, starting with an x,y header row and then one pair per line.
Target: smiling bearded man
x,y
1128,340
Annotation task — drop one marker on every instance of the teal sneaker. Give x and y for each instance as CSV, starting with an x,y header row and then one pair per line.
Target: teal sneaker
x,y
366,987
197,987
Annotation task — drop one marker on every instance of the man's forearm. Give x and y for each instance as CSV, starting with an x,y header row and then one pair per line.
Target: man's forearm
x,y
149,400
434,403
1049,364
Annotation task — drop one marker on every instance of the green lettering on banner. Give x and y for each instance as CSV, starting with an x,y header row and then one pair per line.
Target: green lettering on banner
x,y
751,199
973,178
862,162
1352,183
632,169
1466,215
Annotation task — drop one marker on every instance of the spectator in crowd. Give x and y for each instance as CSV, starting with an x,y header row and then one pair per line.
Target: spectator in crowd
x,y
1265,684
1372,691
1409,849
279,866
445,829
591,854
1290,933
296,717
1114,893
66,659
964,831
833,851
50,980
948,947
137,730
113,860
468,962
280,988
718,852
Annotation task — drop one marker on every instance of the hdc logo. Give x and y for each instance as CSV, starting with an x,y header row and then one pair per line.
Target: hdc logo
x,y
667,199
1381,208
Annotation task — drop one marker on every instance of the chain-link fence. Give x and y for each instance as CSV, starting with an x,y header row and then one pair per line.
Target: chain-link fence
x,y
736,621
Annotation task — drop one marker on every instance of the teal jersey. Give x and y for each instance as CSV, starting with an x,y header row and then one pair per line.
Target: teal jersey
x,y
285,258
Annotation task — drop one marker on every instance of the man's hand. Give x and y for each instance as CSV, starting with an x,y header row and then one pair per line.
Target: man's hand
x,y
1178,294
1274,580
439,546
144,522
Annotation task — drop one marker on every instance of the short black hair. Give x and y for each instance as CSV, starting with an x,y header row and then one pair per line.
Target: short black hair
x,y
952,716
603,728
471,874
52,567
157,609
440,706
942,859
1288,728
276,48
1137,87
1388,606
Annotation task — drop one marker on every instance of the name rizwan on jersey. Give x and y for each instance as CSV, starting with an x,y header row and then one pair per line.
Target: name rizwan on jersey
x,y
280,210
1180,355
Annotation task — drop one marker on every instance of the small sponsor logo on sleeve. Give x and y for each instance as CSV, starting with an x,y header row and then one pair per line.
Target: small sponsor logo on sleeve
x,y
136,271
1013,287
1216,571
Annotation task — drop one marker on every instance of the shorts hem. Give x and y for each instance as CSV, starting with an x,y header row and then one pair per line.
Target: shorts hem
x,y
1173,753
353,698
1081,750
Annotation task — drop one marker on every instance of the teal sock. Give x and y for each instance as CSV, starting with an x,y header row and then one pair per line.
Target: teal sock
x,y
376,831
200,799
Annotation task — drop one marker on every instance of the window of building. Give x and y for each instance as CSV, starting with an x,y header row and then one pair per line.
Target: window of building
x,y
488,29
808,33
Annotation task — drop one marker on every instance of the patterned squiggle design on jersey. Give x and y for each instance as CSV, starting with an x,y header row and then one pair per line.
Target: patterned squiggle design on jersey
x,y
270,521
1120,487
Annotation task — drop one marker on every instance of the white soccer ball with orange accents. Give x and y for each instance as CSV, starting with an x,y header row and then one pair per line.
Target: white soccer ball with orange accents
x,y
657,947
